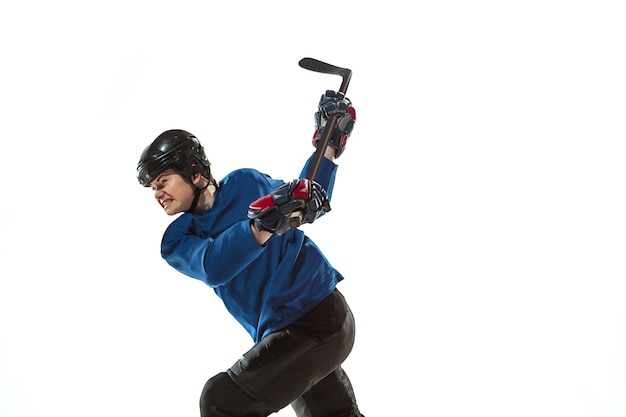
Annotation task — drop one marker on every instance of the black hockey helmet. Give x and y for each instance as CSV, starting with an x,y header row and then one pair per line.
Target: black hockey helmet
x,y
175,149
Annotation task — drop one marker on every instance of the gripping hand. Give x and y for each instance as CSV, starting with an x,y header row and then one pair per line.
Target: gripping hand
x,y
290,205
335,103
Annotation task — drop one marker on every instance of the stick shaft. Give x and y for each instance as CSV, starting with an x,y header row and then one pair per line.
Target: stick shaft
x,y
331,123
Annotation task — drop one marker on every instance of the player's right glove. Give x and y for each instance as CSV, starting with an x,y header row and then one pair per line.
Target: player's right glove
x,y
290,205
332,103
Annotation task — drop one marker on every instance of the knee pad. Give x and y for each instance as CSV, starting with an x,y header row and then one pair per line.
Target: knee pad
x,y
221,397
213,392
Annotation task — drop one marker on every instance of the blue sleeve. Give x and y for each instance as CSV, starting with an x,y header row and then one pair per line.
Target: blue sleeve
x,y
214,261
325,176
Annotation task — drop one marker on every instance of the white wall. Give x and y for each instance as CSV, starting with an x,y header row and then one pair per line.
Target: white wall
x,y
478,214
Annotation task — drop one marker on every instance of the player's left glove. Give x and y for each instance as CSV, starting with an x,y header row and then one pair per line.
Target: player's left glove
x,y
290,205
332,103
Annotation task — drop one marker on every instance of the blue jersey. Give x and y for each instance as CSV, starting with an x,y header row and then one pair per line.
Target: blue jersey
x,y
264,287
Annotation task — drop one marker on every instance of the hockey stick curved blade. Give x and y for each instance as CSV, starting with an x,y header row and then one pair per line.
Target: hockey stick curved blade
x,y
316,65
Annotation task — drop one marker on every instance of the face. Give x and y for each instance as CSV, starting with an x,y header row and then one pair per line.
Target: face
x,y
172,192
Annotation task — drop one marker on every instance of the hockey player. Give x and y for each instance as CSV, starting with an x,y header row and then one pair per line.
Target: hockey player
x,y
240,236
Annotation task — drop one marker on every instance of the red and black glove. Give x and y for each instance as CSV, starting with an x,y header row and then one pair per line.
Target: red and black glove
x,y
290,205
332,103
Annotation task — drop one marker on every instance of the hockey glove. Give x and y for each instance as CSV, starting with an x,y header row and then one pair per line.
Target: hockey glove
x,y
332,103
290,205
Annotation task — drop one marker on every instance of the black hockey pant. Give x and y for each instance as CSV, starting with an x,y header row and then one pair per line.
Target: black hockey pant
x,y
298,365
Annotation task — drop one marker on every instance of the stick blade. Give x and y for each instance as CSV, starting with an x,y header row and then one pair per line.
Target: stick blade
x,y
316,65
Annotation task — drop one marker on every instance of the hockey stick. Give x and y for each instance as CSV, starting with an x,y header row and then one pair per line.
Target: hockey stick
x,y
313,64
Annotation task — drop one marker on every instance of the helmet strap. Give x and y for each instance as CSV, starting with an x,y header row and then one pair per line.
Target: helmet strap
x,y
196,197
198,191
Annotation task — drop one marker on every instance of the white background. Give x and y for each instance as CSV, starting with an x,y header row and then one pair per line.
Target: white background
x,y
478,212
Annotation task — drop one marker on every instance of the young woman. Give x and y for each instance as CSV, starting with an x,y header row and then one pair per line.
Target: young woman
x,y
240,236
